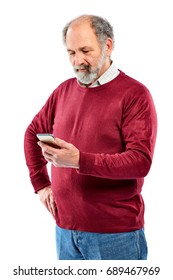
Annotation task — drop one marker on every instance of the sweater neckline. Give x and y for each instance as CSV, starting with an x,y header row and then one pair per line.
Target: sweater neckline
x,y
100,87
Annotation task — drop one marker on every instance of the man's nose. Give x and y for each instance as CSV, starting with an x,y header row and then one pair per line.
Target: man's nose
x,y
78,59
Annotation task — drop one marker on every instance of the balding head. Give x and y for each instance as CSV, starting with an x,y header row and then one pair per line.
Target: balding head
x,y
101,27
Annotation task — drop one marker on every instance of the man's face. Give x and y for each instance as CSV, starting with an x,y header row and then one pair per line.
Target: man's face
x,y
88,59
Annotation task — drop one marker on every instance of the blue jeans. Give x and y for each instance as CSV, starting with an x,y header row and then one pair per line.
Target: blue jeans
x,y
78,245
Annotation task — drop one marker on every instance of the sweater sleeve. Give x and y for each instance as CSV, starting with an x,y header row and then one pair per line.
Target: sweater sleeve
x,y
138,130
37,165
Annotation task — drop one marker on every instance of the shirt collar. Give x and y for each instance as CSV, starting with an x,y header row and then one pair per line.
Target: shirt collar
x,y
111,73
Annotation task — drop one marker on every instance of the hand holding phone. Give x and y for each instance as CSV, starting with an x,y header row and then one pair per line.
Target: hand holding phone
x,y
67,157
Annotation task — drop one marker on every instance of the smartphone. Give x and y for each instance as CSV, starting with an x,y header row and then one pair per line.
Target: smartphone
x,y
47,139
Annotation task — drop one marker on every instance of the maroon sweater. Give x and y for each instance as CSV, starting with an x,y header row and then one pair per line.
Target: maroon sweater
x,y
114,127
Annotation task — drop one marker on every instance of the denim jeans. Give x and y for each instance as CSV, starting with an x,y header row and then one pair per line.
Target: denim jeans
x,y
78,245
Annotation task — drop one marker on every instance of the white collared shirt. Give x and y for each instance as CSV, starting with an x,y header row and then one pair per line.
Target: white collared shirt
x,y
108,76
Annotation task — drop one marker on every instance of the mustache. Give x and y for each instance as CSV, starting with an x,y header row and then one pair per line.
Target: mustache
x,y
81,67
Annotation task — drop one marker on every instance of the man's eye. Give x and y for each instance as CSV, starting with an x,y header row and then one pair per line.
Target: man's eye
x,y
85,51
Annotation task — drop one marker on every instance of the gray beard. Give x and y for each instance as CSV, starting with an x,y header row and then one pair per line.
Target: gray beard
x,y
92,74
87,78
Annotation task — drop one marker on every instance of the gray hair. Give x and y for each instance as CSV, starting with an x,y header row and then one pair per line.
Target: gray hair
x,y
101,27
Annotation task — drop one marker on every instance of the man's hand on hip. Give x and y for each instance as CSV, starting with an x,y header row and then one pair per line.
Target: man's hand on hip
x,y
47,199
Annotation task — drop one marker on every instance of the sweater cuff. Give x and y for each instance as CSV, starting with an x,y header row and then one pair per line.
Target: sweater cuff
x,y
40,179
86,163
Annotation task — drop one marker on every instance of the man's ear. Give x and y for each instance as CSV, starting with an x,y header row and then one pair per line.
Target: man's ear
x,y
109,46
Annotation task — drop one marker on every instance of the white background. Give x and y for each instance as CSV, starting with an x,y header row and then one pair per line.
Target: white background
x,y
33,61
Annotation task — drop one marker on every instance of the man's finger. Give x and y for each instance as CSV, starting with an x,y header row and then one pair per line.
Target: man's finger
x,y
61,143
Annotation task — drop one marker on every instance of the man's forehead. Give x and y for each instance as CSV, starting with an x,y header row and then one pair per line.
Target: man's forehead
x,y
80,28
81,35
